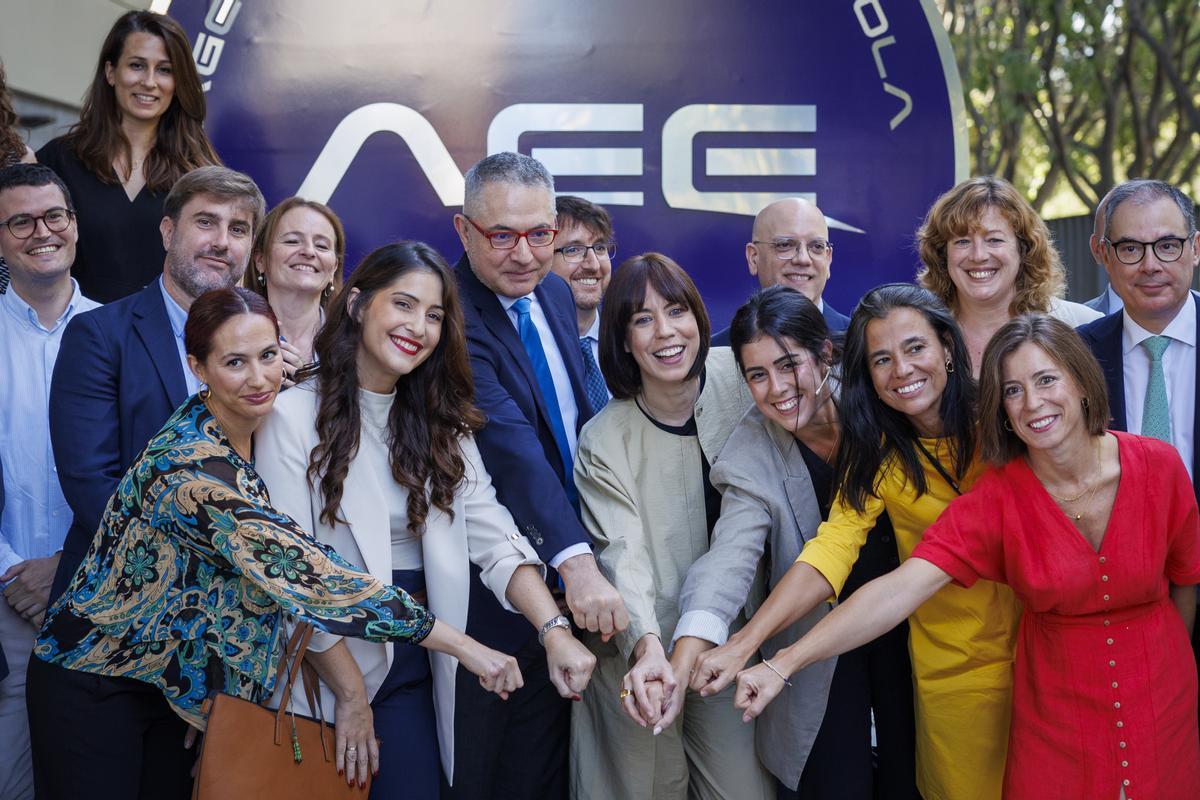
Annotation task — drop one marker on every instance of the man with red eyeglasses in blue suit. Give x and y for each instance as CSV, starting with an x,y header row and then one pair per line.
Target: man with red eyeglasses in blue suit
x,y
529,382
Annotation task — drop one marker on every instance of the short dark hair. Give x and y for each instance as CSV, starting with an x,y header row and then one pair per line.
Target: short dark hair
x,y
1144,191
33,175
212,309
625,296
1060,341
506,167
585,213
780,312
222,182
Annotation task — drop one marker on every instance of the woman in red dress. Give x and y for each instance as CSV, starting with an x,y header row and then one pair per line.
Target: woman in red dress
x,y
1099,536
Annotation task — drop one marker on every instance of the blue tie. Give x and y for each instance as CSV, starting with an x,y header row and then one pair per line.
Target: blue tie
x,y
532,343
1156,411
593,381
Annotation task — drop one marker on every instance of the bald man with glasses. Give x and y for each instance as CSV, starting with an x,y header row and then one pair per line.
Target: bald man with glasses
x,y
790,246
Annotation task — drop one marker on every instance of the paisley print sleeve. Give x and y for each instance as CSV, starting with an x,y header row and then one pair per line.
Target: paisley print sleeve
x,y
224,509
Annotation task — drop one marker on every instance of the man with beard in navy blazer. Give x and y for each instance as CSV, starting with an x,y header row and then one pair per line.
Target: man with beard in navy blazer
x,y
121,369
1147,349
529,382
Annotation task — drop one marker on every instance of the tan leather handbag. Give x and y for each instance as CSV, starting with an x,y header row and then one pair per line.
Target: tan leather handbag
x,y
251,751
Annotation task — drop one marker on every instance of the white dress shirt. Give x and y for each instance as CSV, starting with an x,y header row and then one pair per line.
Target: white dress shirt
x,y
1179,368
562,388
36,515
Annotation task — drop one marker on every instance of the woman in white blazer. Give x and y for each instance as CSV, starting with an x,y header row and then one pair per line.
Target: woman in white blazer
x,y
375,456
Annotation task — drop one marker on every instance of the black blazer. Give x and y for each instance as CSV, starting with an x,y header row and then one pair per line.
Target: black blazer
x,y
116,381
517,443
1103,336
836,320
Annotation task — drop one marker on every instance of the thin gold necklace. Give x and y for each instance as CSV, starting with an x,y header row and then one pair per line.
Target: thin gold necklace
x,y
1089,490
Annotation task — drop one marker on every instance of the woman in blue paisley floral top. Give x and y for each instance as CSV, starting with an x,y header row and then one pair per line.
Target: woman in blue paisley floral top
x,y
184,589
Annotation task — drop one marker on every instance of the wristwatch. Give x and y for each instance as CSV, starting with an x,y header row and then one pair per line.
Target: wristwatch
x,y
554,622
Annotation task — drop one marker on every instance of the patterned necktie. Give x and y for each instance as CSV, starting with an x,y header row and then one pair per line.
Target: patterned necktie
x,y
1156,413
532,343
593,381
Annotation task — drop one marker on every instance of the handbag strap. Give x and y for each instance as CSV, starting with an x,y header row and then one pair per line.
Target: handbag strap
x,y
312,691
289,661
293,663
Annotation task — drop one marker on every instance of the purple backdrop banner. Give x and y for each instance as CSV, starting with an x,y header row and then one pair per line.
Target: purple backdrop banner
x,y
682,117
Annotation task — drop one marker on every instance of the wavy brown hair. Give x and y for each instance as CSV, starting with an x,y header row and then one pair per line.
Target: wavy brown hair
x,y
11,143
266,235
434,405
180,143
957,213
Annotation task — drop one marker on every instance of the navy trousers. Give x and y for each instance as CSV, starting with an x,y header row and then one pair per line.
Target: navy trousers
x,y
405,723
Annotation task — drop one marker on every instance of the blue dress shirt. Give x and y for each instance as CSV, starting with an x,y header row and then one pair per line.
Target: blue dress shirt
x,y
178,318
36,516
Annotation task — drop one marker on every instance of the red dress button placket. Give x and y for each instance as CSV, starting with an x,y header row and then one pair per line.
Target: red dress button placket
x,y
1112,663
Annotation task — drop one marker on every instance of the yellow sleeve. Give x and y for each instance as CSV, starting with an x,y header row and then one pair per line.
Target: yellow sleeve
x,y
834,549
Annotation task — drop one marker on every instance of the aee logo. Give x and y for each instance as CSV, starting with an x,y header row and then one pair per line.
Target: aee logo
x,y
683,117
510,123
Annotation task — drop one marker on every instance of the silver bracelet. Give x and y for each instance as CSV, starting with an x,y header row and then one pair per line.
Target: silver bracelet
x,y
554,622
782,677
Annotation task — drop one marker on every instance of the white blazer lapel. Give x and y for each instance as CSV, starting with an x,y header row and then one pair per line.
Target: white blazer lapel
x,y
368,518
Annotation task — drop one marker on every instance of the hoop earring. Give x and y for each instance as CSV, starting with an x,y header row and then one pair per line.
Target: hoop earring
x,y
327,291
1008,426
204,392
262,279
949,367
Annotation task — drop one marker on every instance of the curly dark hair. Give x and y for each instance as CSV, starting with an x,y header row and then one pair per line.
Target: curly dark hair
x,y
434,405
12,146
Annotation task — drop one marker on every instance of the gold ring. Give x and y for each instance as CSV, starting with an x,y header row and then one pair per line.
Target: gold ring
x,y
625,693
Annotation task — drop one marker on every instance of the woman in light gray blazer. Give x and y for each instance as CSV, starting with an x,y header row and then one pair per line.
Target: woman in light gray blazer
x,y
775,479
642,473
376,457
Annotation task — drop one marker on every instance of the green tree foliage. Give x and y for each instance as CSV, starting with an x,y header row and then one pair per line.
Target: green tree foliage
x,y
1073,97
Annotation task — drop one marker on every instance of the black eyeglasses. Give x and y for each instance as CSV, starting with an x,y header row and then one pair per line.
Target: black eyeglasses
x,y
574,253
56,220
1131,251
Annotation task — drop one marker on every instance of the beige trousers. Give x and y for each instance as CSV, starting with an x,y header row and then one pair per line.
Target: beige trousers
x,y
707,754
16,766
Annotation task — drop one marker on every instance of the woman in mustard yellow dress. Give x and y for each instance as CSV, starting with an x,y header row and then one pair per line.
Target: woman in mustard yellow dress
x,y
908,448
